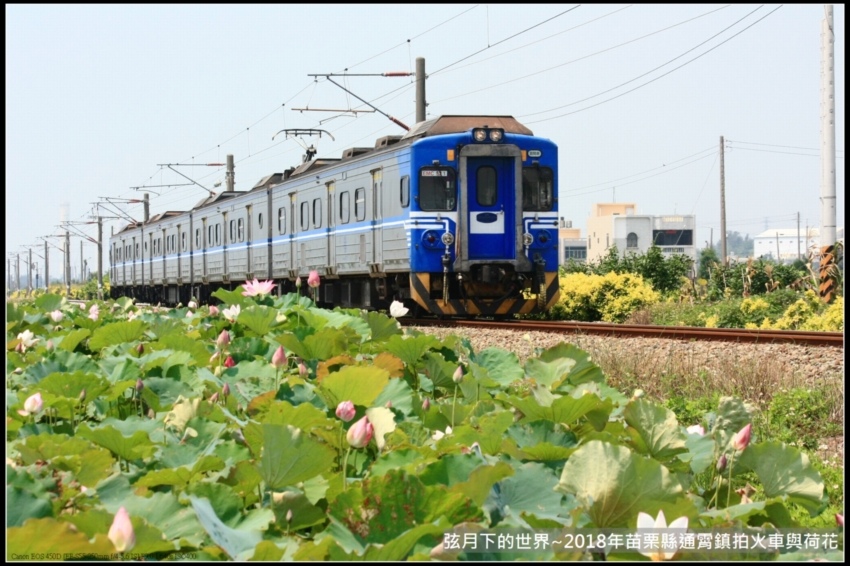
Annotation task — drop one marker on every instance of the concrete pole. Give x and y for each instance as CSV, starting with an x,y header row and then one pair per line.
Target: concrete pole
x,y
230,175
67,264
722,205
420,89
827,232
46,267
29,274
100,258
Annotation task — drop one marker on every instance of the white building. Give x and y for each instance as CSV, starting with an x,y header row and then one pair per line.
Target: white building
x,y
617,224
788,244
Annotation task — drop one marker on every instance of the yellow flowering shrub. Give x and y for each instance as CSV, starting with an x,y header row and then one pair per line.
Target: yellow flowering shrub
x,y
799,312
830,320
611,297
754,305
711,321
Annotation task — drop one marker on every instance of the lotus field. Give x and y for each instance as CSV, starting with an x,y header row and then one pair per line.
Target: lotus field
x,y
266,428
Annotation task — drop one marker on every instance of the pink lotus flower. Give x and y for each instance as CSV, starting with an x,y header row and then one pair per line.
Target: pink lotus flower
x,y
839,519
225,390
223,340
645,521
121,532
56,316
192,305
229,362
345,411
279,357
27,340
254,288
313,279
232,313
302,369
360,433
742,438
32,405
213,310
94,312
696,429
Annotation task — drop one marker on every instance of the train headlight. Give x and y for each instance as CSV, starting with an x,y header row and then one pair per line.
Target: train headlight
x,y
527,239
479,135
447,238
496,135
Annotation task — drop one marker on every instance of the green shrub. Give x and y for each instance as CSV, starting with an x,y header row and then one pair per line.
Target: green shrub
x,y
802,417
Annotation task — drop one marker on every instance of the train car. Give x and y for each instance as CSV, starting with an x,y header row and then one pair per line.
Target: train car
x,y
458,217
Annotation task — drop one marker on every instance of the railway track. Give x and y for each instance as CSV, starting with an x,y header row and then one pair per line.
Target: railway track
x,y
758,336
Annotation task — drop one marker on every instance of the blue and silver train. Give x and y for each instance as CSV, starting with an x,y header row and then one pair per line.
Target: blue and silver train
x,y
458,217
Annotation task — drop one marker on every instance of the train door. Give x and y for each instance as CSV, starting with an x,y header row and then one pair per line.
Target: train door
x,y
249,250
293,244
491,207
331,239
377,222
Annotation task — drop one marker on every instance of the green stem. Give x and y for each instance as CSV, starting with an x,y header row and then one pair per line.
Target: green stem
x,y
454,401
344,468
729,492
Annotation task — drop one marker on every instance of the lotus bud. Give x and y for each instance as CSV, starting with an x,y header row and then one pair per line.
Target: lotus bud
x,y
213,310
638,393
217,371
389,404
345,411
214,398
140,385
426,404
192,305
215,357
56,316
302,369
360,433
82,396
458,375
313,279
151,414
288,516
140,349
50,346
229,362
297,282
742,438
223,340
121,532
721,463
33,404
839,519
225,390
279,357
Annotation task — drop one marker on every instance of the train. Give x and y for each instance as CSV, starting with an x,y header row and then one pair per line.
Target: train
x,y
458,217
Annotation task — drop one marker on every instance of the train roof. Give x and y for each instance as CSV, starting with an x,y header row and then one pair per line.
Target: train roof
x,y
457,124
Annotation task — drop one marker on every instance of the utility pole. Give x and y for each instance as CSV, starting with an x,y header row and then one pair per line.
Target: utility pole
x,y
420,90
82,265
18,272
67,263
722,205
827,233
99,258
147,205
798,236
29,274
46,268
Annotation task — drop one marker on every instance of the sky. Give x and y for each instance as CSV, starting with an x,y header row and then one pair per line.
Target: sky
x,y
101,98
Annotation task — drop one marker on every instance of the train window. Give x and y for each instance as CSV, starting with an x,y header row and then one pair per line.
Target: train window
x,y
317,213
183,240
344,207
360,204
437,188
305,216
240,230
485,186
232,230
538,188
281,220
260,220
217,234
404,188
197,238
137,250
210,235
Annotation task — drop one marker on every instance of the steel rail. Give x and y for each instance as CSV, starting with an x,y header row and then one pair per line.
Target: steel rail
x,y
756,336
